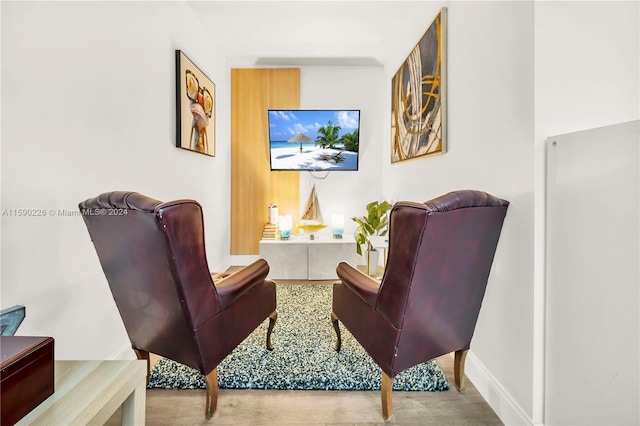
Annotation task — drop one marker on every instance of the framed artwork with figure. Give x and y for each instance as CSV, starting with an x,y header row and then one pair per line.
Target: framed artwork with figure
x,y
195,107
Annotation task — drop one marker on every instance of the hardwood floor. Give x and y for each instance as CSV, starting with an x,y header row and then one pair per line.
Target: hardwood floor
x,y
339,408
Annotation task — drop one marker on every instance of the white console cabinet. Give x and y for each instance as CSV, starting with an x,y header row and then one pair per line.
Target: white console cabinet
x,y
300,258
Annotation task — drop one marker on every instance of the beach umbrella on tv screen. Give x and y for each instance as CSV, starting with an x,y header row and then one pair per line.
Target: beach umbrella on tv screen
x,y
300,138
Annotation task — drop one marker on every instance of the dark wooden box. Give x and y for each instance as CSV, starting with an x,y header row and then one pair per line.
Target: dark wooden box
x,y
26,376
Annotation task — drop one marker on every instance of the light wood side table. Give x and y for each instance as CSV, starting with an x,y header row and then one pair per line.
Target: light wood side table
x,y
89,392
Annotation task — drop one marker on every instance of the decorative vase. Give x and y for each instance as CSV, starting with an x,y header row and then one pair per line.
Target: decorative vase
x,y
337,225
373,257
284,225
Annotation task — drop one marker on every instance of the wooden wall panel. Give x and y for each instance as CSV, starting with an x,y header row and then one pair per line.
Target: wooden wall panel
x,y
253,186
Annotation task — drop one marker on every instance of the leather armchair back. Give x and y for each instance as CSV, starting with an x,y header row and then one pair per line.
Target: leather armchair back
x,y
160,312
153,256
439,259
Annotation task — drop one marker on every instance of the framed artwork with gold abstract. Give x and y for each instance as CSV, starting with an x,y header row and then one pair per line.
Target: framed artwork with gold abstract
x,y
418,97
195,107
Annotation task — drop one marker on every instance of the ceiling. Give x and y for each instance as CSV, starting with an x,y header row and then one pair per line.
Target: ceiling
x,y
290,33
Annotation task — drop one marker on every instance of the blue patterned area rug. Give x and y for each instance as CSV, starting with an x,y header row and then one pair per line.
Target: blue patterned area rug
x,y
303,355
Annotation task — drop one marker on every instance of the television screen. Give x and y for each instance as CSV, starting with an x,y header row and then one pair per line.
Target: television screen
x,y
314,140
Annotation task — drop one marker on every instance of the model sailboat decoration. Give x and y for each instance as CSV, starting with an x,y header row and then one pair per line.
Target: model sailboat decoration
x,y
311,220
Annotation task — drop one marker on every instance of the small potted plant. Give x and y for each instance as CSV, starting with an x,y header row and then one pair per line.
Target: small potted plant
x,y
374,223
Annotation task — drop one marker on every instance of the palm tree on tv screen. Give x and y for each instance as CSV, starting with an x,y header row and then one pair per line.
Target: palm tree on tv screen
x,y
350,141
328,136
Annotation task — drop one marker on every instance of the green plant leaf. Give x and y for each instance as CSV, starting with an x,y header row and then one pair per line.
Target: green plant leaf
x,y
375,222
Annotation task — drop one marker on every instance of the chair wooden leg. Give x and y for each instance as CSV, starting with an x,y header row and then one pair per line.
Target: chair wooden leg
x,y
385,393
272,322
212,393
144,355
458,369
336,327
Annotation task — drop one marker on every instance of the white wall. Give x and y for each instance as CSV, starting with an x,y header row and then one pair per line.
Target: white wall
x,y
587,71
587,65
88,96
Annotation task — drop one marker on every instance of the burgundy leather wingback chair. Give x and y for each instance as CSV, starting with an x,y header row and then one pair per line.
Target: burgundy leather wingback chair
x,y
439,257
153,256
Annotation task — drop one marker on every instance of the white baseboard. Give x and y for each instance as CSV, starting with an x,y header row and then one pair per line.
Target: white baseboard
x,y
223,266
124,353
509,412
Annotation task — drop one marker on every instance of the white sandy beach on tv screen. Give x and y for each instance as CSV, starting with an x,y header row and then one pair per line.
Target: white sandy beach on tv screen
x,y
312,158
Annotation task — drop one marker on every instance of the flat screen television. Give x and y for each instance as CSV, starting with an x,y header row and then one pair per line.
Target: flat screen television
x,y
314,140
